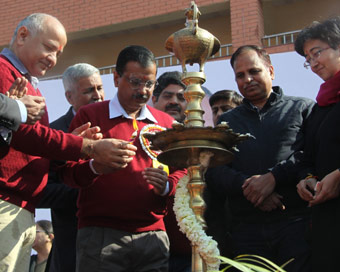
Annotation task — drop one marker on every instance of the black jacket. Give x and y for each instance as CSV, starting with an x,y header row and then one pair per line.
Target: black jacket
x,y
279,129
10,117
322,156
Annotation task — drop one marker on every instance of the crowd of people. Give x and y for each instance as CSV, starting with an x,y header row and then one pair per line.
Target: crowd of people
x,y
111,200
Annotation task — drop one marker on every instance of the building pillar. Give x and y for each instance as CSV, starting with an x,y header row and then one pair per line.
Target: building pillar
x,y
247,26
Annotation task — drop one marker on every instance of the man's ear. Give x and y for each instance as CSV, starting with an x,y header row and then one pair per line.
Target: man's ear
x,y
154,99
272,73
51,236
116,78
68,95
22,35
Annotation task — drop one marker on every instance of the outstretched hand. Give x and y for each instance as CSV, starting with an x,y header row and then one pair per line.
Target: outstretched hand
x,y
86,131
109,152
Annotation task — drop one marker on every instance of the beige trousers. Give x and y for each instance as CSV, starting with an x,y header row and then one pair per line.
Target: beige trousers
x,y
17,234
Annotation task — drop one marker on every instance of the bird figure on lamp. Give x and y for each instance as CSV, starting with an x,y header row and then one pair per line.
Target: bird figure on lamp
x,y
192,44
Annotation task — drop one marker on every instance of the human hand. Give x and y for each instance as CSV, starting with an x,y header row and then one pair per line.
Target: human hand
x,y
18,88
272,202
157,177
258,187
205,158
110,152
35,106
104,169
305,188
327,189
86,131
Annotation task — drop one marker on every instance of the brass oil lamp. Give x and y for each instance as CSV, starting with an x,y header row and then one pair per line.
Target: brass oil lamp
x,y
182,145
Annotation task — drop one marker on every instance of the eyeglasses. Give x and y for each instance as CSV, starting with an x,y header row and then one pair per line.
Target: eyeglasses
x,y
314,57
136,83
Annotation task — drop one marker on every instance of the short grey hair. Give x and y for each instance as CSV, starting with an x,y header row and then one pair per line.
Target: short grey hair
x,y
74,73
34,24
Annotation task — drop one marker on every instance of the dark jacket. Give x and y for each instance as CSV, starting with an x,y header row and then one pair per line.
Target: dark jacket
x,y
279,129
10,117
322,156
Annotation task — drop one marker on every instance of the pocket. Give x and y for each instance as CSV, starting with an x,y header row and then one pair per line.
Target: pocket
x,y
163,242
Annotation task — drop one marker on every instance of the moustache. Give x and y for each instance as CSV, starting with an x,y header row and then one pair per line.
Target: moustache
x,y
251,84
140,96
173,107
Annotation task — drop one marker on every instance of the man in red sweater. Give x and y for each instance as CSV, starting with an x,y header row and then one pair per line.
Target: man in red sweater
x,y
36,44
121,212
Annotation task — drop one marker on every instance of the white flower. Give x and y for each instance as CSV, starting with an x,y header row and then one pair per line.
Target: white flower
x,y
188,224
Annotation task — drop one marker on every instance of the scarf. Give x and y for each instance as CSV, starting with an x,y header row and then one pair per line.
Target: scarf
x,y
329,92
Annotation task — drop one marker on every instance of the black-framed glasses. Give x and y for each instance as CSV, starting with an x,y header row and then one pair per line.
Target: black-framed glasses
x,y
314,57
136,83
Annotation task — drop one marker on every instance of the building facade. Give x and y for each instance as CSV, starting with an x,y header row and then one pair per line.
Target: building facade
x,y
99,29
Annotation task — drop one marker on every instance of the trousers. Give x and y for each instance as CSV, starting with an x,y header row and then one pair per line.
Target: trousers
x,y
104,249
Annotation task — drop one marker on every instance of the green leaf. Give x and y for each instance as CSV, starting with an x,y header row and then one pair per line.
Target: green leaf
x,y
245,263
235,264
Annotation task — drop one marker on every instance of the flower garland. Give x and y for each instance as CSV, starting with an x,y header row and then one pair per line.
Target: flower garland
x,y
206,246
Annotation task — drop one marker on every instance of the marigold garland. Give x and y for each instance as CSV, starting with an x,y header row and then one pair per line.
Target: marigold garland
x,y
188,224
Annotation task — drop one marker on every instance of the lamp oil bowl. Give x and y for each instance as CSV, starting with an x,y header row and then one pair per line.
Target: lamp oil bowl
x,y
182,145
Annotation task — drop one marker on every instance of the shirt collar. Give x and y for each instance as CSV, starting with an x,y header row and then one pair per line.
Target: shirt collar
x,y
73,111
19,66
116,110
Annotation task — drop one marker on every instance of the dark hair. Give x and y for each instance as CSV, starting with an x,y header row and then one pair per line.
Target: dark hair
x,y
46,225
327,31
226,95
135,53
166,79
259,50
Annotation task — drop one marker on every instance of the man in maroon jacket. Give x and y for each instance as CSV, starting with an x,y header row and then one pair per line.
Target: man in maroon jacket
x,y
36,44
120,214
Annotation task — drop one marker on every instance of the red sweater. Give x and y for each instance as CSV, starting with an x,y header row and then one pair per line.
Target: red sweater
x,y
122,200
22,176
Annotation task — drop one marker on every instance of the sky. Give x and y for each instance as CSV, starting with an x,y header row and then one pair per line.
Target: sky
x,y
290,75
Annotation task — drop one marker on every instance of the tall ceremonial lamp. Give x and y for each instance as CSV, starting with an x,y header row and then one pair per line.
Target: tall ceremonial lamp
x,y
189,145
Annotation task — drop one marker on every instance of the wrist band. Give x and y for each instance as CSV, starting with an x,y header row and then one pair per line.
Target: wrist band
x,y
92,168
